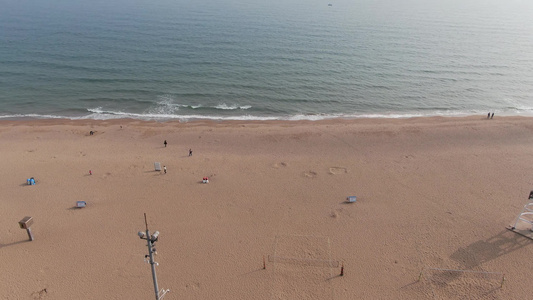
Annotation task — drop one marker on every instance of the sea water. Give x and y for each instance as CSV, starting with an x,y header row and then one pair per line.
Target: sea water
x,y
264,60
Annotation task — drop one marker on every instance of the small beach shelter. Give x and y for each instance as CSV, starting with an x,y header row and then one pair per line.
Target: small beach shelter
x,y
157,166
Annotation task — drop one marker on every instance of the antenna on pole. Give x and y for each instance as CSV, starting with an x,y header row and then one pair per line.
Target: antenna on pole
x,y
151,239
145,222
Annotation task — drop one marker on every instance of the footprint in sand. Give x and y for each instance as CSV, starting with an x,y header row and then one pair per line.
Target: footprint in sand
x,y
40,294
337,170
310,174
194,285
336,213
281,164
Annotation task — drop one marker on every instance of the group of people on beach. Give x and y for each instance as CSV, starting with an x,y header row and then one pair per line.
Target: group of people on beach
x,y
489,116
165,144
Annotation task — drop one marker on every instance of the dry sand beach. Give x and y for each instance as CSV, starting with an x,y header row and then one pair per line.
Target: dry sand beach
x,y
432,193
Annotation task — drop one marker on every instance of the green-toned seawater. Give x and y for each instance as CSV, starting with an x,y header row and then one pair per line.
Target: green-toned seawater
x,y
249,59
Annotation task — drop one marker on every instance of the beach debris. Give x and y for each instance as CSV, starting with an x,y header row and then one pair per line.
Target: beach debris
x,y
351,199
205,180
25,224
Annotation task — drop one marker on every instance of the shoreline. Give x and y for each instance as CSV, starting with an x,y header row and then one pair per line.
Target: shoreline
x,y
248,118
62,121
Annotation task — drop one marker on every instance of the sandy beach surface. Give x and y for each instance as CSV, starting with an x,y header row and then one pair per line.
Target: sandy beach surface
x,y
433,194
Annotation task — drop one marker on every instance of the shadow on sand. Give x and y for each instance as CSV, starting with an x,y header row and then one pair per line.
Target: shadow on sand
x,y
483,251
14,243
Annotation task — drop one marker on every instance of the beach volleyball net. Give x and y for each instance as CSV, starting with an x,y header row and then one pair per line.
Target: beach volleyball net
x,y
301,267
304,261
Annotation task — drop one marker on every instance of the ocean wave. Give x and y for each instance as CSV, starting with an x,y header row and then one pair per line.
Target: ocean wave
x,y
224,106
168,104
102,114
517,106
31,116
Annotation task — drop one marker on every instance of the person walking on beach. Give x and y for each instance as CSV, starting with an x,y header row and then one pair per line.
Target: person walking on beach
x,y
190,152
488,115
165,143
165,169
492,116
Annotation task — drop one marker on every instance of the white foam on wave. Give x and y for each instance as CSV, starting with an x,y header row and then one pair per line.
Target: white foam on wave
x,y
228,118
99,113
224,106
165,106
32,116
168,105
518,107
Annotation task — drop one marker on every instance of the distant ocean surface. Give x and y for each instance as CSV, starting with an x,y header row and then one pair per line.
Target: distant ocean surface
x,y
264,60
